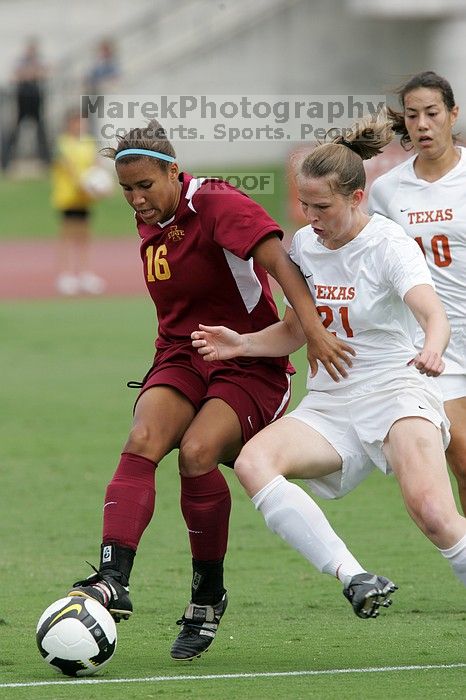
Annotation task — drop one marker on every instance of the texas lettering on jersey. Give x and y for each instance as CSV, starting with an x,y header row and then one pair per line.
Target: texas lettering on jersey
x,y
336,293
430,216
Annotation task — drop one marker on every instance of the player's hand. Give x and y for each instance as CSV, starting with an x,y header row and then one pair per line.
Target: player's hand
x,y
334,354
428,362
217,343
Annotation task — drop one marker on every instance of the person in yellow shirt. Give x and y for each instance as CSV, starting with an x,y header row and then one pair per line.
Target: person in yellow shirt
x,y
73,198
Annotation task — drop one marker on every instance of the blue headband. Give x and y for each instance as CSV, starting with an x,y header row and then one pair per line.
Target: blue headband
x,y
144,152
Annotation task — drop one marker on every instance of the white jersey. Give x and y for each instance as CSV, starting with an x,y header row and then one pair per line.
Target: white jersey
x,y
434,214
358,290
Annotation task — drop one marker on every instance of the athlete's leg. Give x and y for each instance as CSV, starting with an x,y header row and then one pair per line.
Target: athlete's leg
x,y
456,451
161,417
214,436
238,403
73,243
73,249
286,449
415,452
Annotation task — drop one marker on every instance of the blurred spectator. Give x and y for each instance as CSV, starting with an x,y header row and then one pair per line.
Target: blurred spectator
x,y
29,91
104,75
76,155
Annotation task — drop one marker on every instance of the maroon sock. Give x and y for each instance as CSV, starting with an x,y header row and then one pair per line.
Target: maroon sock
x,y
129,501
206,505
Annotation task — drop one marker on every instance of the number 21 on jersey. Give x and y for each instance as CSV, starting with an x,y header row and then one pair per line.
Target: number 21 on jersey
x,y
326,314
157,263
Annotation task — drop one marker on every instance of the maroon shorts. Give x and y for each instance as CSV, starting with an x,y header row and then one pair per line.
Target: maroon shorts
x,y
257,391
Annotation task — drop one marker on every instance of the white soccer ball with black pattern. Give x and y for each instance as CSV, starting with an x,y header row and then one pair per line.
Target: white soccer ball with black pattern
x,y
76,636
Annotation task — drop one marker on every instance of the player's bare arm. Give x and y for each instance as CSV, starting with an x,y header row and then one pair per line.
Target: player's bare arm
x,y
322,345
430,314
278,340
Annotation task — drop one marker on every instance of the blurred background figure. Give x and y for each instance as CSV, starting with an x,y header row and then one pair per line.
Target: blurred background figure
x,y
75,158
29,79
104,75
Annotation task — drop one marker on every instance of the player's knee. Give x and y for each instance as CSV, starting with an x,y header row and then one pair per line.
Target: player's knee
x,y
139,441
196,457
246,464
429,513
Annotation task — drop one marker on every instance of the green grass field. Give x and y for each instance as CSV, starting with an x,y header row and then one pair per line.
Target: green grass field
x,y
65,414
26,209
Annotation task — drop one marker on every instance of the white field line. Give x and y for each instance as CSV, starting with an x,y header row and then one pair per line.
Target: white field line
x,y
233,676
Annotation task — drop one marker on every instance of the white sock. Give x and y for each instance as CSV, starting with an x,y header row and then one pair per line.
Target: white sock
x,y
456,555
292,514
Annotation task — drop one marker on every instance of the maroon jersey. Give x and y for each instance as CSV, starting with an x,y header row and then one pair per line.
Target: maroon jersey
x,y
197,265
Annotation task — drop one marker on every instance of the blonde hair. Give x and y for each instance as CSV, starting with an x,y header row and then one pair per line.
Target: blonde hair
x,y
341,159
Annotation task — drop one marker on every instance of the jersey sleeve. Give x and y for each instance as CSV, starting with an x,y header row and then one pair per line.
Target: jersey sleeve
x,y
236,222
377,202
404,264
295,257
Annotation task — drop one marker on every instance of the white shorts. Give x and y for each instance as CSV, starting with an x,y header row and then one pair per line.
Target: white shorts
x,y
357,424
452,381
452,386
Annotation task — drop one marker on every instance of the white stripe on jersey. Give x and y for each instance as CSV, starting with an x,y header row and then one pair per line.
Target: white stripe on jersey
x,y
246,279
193,187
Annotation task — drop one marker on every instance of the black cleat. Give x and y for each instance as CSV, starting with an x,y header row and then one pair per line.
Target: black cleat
x,y
199,627
367,592
108,591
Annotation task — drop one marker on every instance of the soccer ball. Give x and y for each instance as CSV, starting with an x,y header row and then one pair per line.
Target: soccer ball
x,y
76,636
97,182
